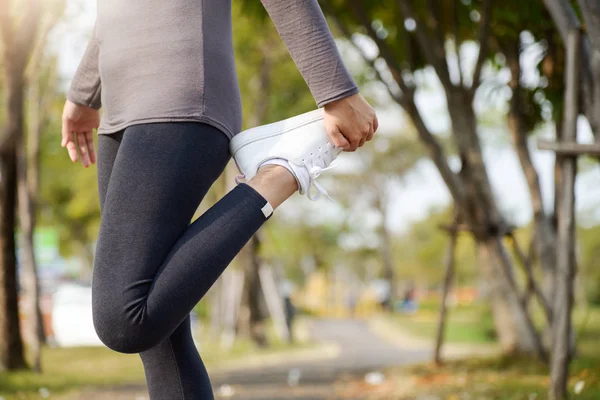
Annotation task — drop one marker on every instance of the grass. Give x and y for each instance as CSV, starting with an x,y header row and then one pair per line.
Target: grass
x,y
511,378
506,378
465,324
474,324
68,370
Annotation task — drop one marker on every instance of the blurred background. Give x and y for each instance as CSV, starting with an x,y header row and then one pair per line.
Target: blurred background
x,y
453,263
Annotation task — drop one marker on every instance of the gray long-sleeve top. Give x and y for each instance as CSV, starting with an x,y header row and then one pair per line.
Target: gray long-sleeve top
x,y
157,61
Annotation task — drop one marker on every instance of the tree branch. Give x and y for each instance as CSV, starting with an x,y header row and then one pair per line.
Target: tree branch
x,y
590,10
406,39
398,98
384,49
532,286
457,42
484,28
348,35
506,266
436,153
436,22
433,52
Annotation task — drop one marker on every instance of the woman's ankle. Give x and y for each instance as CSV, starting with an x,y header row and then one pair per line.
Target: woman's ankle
x,y
275,183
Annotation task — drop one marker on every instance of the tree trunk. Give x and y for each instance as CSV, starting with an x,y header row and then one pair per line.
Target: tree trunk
x,y
274,302
386,248
28,164
11,345
439,341
508,320
251,320
233,285
18,36
510,317
563,299
388,267
31,288
481,211
216,309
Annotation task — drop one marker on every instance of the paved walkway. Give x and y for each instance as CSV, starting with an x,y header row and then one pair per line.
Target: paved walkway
x,y
360,352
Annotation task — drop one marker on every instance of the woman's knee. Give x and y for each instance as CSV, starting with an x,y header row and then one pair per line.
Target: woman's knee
x,y
120,333
119,315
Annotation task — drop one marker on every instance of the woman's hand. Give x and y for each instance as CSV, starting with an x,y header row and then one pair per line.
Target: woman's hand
x,y
350,122
78,122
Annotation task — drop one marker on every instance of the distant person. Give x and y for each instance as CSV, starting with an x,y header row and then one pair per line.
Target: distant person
x,y
409,302
290,314
164,74
352,302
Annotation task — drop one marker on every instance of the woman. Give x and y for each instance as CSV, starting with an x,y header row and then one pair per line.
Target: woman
x,y
163,72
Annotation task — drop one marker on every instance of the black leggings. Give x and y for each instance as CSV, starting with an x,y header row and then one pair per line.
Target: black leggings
x,y
151,265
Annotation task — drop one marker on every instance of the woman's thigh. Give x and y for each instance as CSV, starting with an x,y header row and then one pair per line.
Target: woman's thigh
x,y
160,174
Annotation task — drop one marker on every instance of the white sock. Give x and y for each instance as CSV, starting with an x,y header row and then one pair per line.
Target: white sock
x,y
300,174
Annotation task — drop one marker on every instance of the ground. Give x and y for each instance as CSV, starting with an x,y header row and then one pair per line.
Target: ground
x,y
350,359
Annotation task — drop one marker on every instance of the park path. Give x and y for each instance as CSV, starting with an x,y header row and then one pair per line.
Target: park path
x,y
360,352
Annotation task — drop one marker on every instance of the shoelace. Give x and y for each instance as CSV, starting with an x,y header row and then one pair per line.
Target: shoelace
x,y
314,172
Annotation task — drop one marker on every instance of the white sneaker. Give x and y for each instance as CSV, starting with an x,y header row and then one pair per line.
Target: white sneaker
x,y
301,141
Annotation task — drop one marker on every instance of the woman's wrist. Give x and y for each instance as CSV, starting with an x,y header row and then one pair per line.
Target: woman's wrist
x,y
342,101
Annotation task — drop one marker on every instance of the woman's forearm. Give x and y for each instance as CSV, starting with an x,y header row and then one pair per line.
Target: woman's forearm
x,y
304,30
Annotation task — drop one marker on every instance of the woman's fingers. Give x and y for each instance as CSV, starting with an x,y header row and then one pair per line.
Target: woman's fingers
x,y
375,127
78,124
337,138
68,139
83,149
367,137
80,146
66,129
71,146
90,143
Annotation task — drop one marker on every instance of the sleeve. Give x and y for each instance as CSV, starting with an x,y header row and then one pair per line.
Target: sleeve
x,y
85,87
304,30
